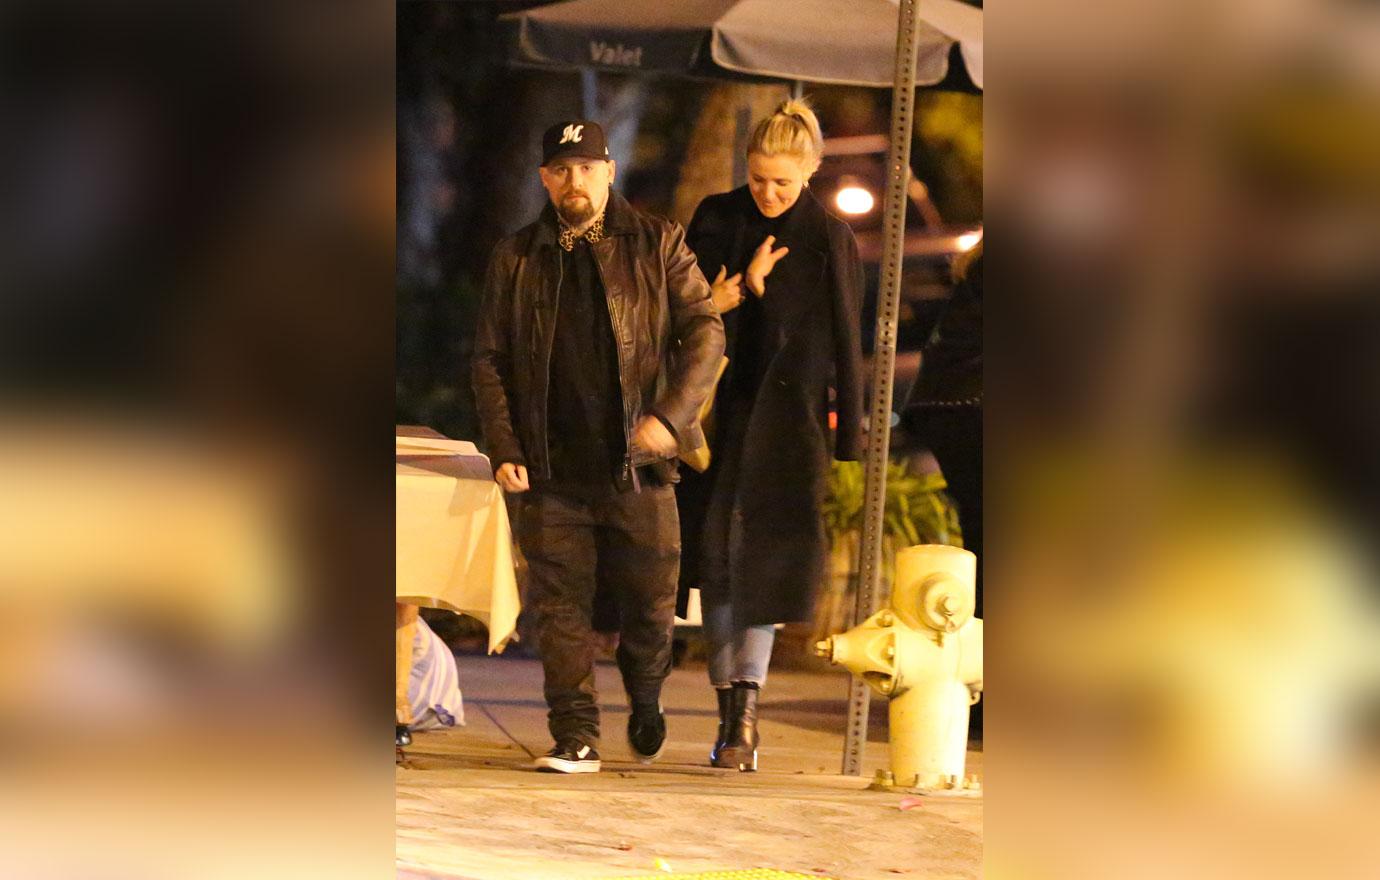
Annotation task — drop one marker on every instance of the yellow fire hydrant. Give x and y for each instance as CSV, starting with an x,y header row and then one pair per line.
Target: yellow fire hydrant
x,y
924,653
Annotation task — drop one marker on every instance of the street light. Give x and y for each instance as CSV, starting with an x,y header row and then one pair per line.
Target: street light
x,y
853,198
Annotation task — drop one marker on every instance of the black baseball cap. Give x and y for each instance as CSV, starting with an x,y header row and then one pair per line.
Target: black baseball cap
x,y
575,138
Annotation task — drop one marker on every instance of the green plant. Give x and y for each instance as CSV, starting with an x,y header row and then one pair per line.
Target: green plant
x,y
917,510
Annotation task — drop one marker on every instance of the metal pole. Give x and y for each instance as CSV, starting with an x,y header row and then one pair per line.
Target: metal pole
x,y
884,361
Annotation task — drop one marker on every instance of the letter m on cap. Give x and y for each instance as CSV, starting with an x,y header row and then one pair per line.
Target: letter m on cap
x,y
572,133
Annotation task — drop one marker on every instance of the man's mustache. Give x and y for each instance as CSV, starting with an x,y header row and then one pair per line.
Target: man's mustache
x,y
572,195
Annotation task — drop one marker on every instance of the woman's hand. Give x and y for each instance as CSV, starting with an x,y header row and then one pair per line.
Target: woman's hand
x,y
728,292
763,261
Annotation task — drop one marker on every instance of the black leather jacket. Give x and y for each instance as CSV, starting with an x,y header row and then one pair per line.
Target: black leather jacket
x,y
668,334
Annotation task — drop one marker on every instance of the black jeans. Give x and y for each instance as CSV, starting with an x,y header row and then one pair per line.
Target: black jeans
x,y
627,544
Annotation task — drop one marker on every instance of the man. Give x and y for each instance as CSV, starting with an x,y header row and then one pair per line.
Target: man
x,y
597,342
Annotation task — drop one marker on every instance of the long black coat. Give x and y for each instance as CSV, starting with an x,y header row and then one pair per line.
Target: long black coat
x,y
752,526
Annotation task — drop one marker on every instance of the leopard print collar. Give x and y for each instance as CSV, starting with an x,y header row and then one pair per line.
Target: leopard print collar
x,y
594,233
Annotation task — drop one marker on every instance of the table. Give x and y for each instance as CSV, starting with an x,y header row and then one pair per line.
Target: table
x,y
454,542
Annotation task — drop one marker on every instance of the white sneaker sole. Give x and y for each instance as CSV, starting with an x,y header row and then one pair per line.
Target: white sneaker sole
x,y
547,764
647,759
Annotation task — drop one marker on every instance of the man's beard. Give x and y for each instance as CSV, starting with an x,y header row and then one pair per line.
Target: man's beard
x,y
574,212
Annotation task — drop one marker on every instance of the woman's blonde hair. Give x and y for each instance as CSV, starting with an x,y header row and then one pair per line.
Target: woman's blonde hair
x,y
791,130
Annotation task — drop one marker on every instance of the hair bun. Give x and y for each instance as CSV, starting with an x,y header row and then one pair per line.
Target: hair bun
x,y
791,129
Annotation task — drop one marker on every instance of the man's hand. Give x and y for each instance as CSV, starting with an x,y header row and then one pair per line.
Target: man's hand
x,y
763,261
728,292
512,477
652,436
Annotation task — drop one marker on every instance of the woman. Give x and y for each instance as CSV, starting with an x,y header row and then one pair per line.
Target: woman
x,y
789,284
944,411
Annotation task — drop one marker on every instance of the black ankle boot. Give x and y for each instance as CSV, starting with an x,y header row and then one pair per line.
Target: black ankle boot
x,y
725,710
740,748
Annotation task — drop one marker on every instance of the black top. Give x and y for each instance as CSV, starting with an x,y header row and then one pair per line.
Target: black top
x,y
759,226
746,346
585,404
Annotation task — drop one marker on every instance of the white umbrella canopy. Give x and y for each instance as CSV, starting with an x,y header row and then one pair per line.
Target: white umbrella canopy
x,y
840,42
843,43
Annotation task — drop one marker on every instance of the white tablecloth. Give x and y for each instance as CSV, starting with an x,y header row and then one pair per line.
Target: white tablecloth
x,y
454,543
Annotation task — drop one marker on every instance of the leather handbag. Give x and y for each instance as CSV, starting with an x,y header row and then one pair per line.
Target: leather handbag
x,y
698,458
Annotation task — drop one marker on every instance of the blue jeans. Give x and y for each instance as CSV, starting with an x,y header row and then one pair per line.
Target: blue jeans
x,y
736,653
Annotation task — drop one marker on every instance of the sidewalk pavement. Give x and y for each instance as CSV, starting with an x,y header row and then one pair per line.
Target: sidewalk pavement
x,y
469,806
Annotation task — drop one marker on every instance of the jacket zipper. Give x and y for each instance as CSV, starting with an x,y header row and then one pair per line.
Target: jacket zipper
x,y
546,388
629,472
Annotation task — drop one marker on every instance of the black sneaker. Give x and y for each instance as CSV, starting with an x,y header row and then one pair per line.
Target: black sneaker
x,y
571,757
647,734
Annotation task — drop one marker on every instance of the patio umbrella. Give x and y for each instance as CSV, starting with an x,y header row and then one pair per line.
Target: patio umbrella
x,y
839,42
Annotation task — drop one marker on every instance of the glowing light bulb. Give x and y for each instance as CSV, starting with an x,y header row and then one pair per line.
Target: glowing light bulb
x,y
968,240
854,200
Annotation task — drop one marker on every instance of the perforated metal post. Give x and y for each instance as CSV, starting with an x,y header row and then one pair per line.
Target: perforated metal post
x,y
884,361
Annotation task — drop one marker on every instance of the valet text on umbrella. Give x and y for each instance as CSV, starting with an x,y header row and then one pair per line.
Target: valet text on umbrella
x,y
614,55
